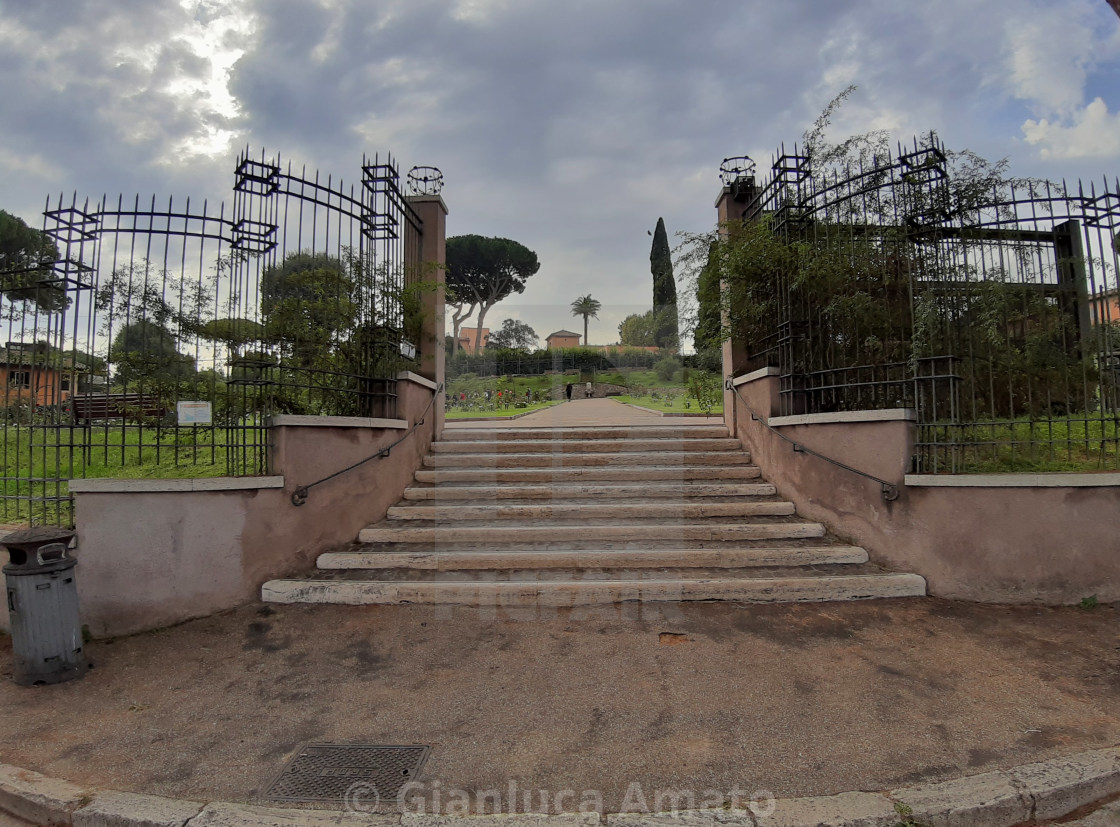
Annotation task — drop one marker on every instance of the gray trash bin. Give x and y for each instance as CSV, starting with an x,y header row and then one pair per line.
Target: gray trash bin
x,y
43,607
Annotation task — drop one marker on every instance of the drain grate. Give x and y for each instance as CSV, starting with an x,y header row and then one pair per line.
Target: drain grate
x,y
328,772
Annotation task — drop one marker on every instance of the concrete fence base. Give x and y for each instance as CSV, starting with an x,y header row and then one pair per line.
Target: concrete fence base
x,y
156,552
1006,538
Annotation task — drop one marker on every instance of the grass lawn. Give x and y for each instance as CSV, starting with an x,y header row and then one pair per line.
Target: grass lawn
x,y
628,377
37,461
1088,443
482,413
680,403
517,385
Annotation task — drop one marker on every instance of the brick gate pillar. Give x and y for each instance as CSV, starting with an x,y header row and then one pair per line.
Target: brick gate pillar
x,y
433,257
730,208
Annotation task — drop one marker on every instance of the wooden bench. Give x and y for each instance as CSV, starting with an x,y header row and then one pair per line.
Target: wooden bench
x,y
89,407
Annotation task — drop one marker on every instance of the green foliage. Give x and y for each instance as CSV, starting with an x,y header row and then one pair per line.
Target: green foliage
x,y
118,451
482,271
137,291
235,333
649,328
667,367
498,361
872,298
1089,603
1023,445
150,313
307,301
708,335
664,287
26,259
639,330
513,335
855,149
1019,343
906,813
706,389
146,353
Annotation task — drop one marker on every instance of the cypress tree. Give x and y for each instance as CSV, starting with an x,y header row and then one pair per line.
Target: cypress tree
x,y
664,287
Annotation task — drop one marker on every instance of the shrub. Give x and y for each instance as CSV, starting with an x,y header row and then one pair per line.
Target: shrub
x,y
667,368
705,389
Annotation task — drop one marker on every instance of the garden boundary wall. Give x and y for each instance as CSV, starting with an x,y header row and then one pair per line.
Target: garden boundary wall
x,y
152,553
1002,538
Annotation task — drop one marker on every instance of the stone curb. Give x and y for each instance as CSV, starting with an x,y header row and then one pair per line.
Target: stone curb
x,y
672,413
1044,790
451,420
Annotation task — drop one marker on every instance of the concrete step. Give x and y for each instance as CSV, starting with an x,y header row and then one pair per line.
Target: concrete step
x,y
582,592
631,473
587,460
453,434
542,532
525,558
576,446
585,512
561,491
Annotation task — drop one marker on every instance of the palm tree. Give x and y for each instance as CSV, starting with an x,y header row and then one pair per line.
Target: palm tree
x,y
588,308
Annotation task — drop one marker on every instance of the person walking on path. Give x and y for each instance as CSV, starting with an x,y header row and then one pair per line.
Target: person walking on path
x,y
568,391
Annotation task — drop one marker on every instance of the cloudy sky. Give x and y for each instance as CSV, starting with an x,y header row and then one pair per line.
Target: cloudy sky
x,y
569,126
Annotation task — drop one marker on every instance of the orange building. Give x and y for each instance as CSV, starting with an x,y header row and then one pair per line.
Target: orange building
x,y
561,339
1104,308
467,338
27,379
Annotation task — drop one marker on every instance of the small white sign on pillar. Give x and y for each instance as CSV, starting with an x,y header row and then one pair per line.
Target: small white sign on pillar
x,y
195,413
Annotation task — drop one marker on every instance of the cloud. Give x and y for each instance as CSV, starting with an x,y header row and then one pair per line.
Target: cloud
x,y
1049,51
570,127
1093,133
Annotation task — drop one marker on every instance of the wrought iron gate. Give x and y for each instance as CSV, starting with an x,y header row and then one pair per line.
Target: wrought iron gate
x,y
155,338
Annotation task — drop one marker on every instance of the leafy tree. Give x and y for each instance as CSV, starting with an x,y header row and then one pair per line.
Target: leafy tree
x,y
638,330
146,352
150,312
137,291
483,271
664,286
235,333
649,329
588,308
27,256
307,302
514,335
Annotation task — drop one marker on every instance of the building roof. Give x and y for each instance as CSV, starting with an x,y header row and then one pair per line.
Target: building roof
x,y
562,333
29,355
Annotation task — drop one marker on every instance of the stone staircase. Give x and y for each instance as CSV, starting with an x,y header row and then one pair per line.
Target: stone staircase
x,y
519,517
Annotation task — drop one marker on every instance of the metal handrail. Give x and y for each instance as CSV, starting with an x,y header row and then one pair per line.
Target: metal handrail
x,y
888,489
300,495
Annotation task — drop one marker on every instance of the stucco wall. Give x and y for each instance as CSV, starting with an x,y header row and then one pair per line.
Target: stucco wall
x,y
149,557
1009,541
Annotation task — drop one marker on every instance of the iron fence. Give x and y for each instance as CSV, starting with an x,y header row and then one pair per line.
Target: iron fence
x,y
157,338
931,280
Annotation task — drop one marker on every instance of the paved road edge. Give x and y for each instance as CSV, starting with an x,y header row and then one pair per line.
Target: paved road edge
x,y
1043,790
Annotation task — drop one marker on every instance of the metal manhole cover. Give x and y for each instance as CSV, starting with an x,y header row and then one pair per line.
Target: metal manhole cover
x,y
328,772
